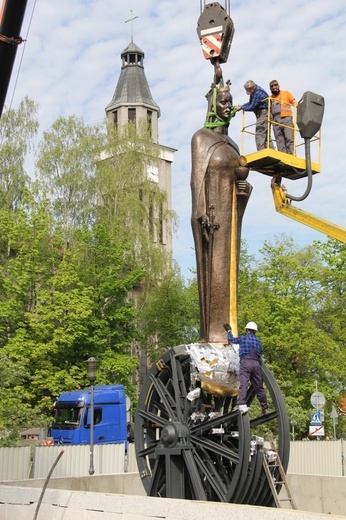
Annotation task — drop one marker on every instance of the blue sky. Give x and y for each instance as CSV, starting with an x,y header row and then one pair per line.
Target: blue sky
x,y
71,64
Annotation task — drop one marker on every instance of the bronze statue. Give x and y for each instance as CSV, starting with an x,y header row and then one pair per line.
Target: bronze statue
x,y
220,194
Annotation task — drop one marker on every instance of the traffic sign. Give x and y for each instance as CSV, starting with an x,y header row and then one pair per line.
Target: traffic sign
x,y
316,431
334,416
316,418
317,400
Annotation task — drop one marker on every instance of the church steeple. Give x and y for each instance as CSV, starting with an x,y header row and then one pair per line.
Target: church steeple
x,y
132,99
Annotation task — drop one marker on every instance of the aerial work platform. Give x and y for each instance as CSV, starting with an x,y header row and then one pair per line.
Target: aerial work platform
x,y
279,165
272,162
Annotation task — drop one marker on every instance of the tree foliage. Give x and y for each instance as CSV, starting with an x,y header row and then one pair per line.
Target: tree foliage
x,y
17,130
287,299
65,170
69,269
170,315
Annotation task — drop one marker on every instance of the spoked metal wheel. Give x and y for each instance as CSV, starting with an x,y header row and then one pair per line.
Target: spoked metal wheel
x,y
199,448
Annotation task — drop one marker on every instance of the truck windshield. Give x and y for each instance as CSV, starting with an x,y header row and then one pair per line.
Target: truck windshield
x,y
67,417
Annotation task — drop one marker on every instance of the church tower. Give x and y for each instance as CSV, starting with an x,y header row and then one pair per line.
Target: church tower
x,y
132,101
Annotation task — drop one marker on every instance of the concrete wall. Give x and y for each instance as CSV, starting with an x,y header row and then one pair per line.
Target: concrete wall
x,y
319,493
123,484
314,494
21,504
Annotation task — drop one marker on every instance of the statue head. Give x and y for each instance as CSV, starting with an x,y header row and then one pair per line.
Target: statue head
x,y
224,103
220,105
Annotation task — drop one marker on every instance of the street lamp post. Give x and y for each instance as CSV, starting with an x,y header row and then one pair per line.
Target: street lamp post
x,y
92,365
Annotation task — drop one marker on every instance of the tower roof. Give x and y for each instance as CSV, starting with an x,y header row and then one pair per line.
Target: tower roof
x,y
132,87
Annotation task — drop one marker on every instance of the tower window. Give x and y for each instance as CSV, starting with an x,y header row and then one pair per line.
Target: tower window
x,y
115,118
149,119
131,114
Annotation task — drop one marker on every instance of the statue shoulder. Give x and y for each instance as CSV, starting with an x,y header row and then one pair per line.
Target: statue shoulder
x,y
205,137
202,133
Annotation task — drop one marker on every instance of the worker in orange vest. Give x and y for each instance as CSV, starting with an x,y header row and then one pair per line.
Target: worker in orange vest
x,y
281,102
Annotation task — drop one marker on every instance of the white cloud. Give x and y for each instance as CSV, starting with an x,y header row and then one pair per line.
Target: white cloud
x,y
72,63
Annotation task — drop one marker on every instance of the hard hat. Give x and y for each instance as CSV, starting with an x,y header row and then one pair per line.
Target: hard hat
x,y
251,325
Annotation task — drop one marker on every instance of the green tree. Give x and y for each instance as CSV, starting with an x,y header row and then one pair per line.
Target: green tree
x,y
17,131
170,314
65,166
16,413
333,289
251,300
75,254
296,348
82,308
26,259
330,318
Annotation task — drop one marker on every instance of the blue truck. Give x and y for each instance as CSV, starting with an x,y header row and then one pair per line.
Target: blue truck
x,y
71,413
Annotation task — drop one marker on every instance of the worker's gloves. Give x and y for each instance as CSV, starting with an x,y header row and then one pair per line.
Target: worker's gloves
x,y
227,327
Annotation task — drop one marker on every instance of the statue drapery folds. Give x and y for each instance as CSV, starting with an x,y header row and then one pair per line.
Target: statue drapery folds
x,y
220,194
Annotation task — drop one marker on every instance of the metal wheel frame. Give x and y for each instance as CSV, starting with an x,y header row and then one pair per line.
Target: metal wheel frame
x,y
182,452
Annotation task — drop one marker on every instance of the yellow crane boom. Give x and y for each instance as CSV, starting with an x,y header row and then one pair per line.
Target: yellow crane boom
x,y
283,205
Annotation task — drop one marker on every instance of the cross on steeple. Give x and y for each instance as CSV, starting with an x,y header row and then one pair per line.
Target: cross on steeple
x,y
131,20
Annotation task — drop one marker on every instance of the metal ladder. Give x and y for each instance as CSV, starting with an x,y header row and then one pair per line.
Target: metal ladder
x,y
271,463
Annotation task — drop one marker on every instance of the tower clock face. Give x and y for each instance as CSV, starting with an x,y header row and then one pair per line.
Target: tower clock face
x,y
153,173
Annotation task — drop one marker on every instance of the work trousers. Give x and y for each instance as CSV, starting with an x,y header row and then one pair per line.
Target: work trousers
x,y
261,136
250,371
284,135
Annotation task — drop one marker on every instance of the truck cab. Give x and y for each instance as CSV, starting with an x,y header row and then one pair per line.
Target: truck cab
x,y
72,416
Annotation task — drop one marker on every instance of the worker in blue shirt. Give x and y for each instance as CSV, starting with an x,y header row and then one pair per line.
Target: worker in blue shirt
x,y
250,351
258,103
